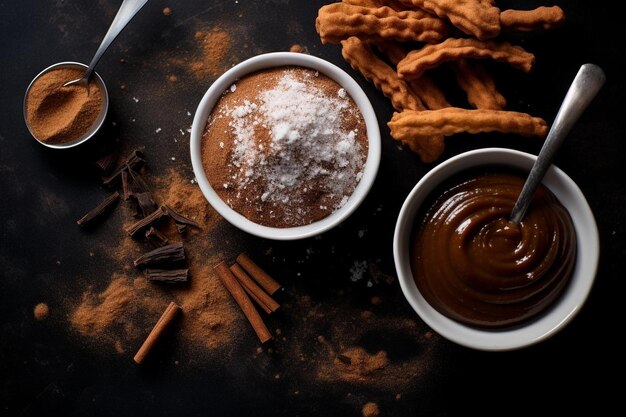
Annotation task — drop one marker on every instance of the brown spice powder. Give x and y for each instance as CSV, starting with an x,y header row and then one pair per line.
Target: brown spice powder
x,y
286,182
370,410
58,114
41,311
214,45
355,364
124,312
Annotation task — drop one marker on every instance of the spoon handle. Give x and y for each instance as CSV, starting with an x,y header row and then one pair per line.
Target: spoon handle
x,y
584,88
126,12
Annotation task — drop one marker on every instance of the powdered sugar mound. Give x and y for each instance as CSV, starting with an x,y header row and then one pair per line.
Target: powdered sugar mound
x,y
309,152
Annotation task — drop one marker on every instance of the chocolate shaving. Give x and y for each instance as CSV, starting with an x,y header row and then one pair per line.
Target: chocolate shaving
x,y
147,221
168,254
99,211
139,184
126,191
156,238
179,218
145,204
135,159
106,163
168,276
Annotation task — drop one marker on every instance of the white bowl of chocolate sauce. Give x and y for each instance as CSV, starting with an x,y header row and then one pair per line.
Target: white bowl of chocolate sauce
x,y
477,279
263,146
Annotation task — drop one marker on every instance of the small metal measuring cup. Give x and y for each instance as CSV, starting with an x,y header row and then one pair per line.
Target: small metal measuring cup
x,y
126,12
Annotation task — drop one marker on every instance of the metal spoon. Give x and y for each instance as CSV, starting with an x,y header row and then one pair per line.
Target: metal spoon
x,y
588,81
127,11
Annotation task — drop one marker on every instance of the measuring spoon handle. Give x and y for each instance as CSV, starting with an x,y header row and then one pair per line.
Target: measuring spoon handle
x,y
125,14
584,88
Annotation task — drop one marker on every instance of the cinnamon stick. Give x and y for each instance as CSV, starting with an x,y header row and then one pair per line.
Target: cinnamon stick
x,y
266,302
259,275
159,329
238,293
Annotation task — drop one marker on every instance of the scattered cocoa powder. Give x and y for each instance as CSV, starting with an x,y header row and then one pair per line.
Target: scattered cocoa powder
x,y
41,311
357,363
214,46
167,11
125,310
58,114
298,49
100,311
355,349
370,410
186,198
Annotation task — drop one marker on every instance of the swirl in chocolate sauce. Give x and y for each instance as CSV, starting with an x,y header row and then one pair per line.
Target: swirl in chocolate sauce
x,y
474,266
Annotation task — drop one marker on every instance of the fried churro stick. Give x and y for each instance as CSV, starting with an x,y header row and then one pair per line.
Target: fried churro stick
x,y
429,148
361,57
338,21
478,18
478,85
423,87
526,20
408,124
374,4
431,56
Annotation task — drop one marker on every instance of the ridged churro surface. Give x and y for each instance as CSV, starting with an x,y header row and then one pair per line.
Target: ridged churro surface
x,y
339,21
431,56
451,120
361,57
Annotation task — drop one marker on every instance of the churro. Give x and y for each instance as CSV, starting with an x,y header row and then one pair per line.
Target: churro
x,y
423,87
526,20
478,84
361,57
374,4
478,18
429,148
431,56
409,123
339,21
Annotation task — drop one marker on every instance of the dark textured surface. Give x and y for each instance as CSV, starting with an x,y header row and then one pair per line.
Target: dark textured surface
x,y
45,368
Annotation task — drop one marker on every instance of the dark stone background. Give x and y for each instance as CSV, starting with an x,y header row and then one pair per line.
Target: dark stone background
x,y
45,368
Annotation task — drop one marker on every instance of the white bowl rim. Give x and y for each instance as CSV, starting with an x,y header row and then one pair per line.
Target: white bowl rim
x,y
272,60
101,116
565,308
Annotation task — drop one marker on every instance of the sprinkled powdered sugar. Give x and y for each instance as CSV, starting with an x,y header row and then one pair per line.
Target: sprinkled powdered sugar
x,y
285,147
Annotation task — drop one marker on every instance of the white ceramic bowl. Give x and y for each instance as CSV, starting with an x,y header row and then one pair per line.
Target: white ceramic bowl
x,y
565,307
279,59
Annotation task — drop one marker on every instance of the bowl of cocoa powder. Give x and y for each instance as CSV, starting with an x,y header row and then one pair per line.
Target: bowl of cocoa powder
x,y
285,145
59,116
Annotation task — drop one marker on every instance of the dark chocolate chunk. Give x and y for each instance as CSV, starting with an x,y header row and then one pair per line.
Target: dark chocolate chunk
x,y
134,160
145,204
147,221
179,218
155,237
168,276
99,211
167,254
